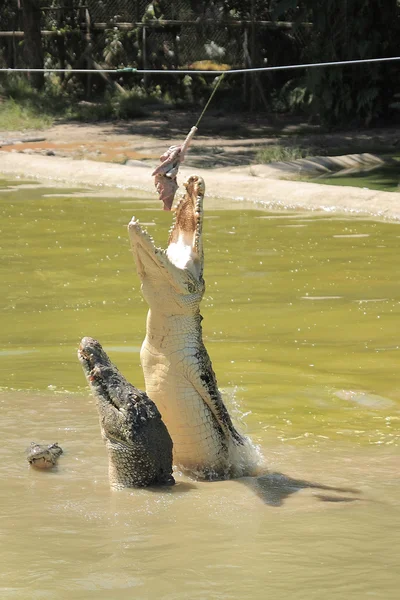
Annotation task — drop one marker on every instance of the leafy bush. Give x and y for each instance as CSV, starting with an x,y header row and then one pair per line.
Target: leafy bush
x,y
356,29
23,107
295,96
276,153
15,117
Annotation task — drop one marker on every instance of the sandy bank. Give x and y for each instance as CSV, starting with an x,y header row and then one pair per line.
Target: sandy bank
x,y
243,183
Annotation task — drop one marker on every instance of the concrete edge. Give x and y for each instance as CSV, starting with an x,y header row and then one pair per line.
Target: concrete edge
x,y
222,183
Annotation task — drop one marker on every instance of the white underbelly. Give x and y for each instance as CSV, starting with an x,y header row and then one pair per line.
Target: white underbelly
x,y
197,439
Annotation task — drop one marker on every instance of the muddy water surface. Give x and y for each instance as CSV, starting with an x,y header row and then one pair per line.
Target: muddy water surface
x,y
301,321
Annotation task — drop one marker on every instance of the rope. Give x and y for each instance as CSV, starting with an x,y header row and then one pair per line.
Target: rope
x,y
200,72
209,100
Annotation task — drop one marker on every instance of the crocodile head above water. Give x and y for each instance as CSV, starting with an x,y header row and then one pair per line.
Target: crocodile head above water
x,y
172,279
138,443
41,456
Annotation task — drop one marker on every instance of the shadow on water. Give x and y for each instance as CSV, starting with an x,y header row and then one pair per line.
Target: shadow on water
x,y
178,488
272,488
275,488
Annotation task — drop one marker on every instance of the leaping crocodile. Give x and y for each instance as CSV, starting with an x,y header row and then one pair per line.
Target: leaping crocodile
x,y
138,444
177,369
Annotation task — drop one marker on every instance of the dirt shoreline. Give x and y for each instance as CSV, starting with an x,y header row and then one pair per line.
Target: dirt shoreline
x,y
221,142
224,183
230,140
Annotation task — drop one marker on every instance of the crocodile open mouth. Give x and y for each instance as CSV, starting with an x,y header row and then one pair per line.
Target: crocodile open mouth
x,y
185,248
181,263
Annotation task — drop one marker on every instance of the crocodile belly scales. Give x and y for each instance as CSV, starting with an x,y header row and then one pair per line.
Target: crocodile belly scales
x,y
197,438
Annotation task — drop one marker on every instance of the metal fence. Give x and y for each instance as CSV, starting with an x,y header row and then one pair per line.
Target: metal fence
x,y
158,35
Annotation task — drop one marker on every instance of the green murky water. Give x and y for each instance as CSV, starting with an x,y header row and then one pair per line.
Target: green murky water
x,y
301,322
386,178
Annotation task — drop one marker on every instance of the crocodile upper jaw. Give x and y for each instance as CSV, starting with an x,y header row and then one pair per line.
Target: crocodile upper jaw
x,y
172,279
123,407
106,381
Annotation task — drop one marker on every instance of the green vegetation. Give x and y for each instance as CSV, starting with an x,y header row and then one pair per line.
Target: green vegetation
x,y
14,117
276,153
298,32
133,104
23,107
357,29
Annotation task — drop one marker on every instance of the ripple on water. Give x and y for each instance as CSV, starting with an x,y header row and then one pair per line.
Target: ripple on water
x,y
362,301
372,401
67,536
17,352
133,349
351,235
321,297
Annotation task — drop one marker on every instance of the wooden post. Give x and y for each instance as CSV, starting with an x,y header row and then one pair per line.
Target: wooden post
x,y
255,81
144,55
252,55
33,50
89,62
245,53
60,42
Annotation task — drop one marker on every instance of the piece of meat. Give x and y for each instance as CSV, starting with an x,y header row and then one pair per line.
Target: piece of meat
x,y
165,174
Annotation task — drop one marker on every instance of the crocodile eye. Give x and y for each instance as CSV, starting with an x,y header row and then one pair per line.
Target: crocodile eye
x,y
191,287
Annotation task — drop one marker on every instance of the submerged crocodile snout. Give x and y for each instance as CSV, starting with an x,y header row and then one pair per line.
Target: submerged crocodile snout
x,y
43,456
